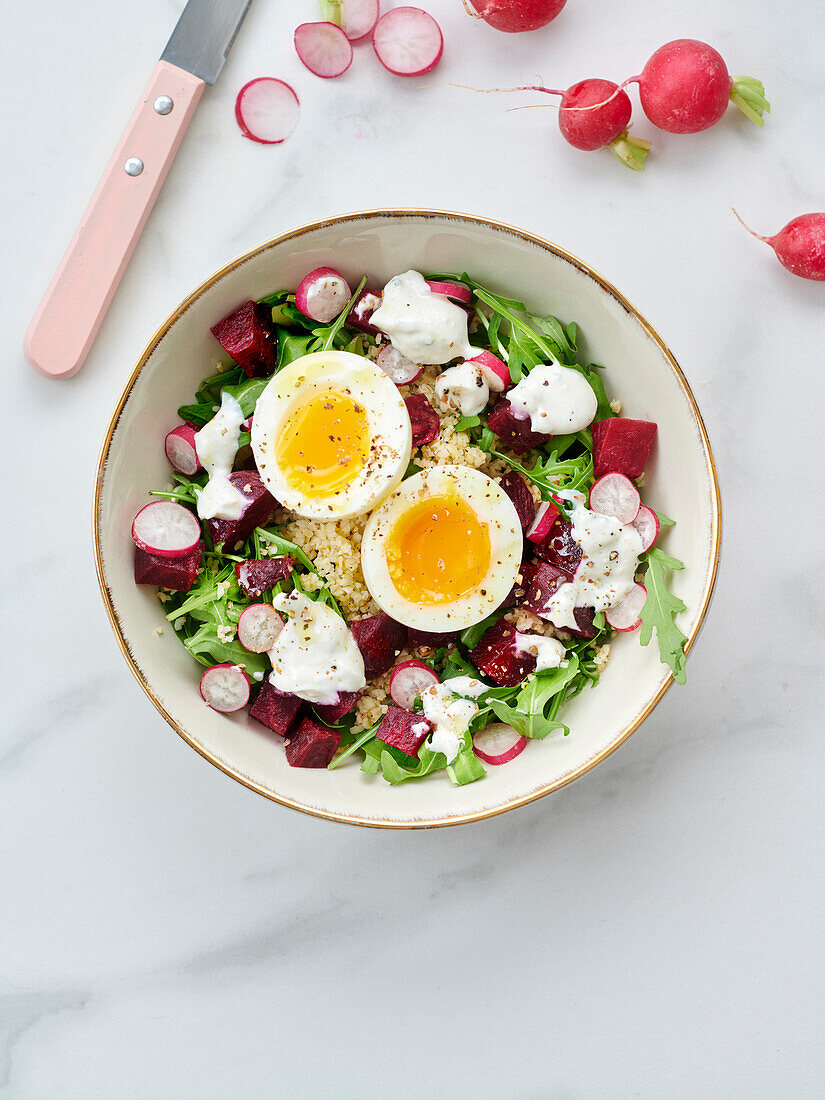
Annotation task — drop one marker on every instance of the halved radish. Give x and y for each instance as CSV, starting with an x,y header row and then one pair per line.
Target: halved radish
x,y
267,110
399,368
322,294
496,374
258,627
615,495
408,41
408,680
625,615
225,688
323,48
358,17
546,515
647,524
166,529
498,743
181,451
457,292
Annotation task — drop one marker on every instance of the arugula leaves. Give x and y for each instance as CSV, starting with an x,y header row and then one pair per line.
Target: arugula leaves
x,y
659,610
533,712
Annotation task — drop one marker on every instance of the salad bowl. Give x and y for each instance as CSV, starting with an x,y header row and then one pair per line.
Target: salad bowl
x,y
640,371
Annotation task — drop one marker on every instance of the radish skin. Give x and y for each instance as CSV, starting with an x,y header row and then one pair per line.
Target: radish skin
x,y
322,294
498,743
323,48
625,615
456,292
513,16
616,495
356,18
408,680
495,373
647,524
258,627
267,110
166,529
800,246
546,515
181,450
225,688
398,367
408,41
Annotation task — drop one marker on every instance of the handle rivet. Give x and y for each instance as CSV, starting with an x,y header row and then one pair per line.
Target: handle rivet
x,y
163,104
133,166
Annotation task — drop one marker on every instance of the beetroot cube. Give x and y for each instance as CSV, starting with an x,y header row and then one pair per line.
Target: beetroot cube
x,y
258,574
425,421
334,712
543,582
380,640
274,709
429,641
497,657
175,573
257,512
312,745
517,434
516,489
245,336
622,446
560,548
365,305
584,617
403,730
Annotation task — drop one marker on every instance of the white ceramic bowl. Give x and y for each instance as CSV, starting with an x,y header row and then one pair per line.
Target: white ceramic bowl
x,y
681,481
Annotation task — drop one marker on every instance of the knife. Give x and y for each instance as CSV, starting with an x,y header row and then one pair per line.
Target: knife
x,y
66,322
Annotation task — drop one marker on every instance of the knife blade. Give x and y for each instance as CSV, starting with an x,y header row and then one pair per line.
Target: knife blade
x,y
204,35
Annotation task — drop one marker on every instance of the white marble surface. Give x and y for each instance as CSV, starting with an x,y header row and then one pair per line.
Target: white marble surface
x,y
653,930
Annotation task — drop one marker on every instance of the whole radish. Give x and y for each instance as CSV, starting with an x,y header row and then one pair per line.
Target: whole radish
x,y
515,15
800,246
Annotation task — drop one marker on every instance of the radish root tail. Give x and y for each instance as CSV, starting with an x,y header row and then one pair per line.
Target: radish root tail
x,y
746,226
470,10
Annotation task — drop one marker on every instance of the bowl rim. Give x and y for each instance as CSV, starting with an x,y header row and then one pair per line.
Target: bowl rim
x,y
402,213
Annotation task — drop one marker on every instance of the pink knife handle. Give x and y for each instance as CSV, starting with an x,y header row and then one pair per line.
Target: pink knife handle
x,y
67,320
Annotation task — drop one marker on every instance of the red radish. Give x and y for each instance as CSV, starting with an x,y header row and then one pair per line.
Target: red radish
x,y
399,368
267,110
495,373
322,294
515,15
456,292
181,451
323,48
647,524
546,515
259,627
615,495
800,246
498,743
225,688
408,41
624,615
408,680
166,529
355,17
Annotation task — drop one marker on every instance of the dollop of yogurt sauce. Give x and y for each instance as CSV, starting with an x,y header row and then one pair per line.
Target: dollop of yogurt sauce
x,y
549,652
426,327
556,399
467,686
462,388
217,444
315,656
450,716
610,555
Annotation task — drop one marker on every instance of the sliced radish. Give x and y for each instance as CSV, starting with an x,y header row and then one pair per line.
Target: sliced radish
x,y
496,374
498,743
457,292
647,524
408,41
267,110
546,515
322,294
616,495
181,450
408,680
323,48
358,17
166,529
258,627
399,368
625,614
225,688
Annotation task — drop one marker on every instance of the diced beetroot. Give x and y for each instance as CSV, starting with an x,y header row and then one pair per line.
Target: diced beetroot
x,y
516,489
175,573
517,434
404,730
622,446
334,712
584,617
511,599
425,421
274,709
380,640
497,657
560,548
427,641
312,745
261,506
365,305
258,574
244,335
543,582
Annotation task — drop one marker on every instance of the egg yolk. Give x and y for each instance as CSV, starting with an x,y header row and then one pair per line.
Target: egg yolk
x,y
324,444
437,551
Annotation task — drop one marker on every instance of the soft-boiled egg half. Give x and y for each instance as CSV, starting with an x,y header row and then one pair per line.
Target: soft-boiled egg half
x,y
444,550
331,435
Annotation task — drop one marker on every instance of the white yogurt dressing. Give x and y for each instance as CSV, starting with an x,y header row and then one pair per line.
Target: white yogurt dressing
x,y
549,652
556,399
462,388
465,685
216,445
426,327
450,716
315,656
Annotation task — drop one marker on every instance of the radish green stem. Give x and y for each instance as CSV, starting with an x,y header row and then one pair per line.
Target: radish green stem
x,y
631,151
332,12
748,94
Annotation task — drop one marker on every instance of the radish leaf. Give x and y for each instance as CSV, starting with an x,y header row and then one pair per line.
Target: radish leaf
x,y
659,610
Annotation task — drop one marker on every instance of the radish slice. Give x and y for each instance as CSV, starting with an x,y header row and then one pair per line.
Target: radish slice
x,y
546,515
399,368
166,529
322,294
647,524
408,680
358,17
457,292
408,41
181,451
498,743
225,688
624,615
496,374
267,110
616,495
323,48
258,627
